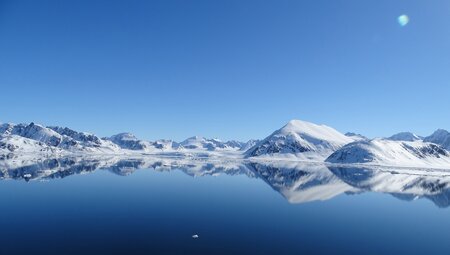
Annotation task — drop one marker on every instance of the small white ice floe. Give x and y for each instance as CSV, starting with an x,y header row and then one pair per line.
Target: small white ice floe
x,y
195,236
27,175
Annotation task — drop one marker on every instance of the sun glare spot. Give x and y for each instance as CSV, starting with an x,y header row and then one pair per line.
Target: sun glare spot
x,y
403,20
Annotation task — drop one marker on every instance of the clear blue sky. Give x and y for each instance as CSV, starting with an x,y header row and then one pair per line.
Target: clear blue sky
x,y
227,69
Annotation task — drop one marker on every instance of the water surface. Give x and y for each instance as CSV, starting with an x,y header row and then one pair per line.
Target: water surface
x,y
154,206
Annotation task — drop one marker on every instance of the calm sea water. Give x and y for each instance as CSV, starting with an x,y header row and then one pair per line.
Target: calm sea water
x,y
154,206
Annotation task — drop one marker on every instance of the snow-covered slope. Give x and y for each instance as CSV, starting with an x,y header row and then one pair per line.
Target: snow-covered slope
x,y
441,137
405,136
393,153
300,139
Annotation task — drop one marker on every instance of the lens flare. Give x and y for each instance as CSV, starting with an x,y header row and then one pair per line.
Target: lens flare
x,y
403,20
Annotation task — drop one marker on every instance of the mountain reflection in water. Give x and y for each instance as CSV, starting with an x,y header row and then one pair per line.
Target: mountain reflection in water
x,y
296,182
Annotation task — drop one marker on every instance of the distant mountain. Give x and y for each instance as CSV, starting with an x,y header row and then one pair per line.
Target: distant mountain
x,y
405,136
55,137
201,143
395,153
355,136
302,139
249,144
83,141
128,141
441,137
35,138
165,145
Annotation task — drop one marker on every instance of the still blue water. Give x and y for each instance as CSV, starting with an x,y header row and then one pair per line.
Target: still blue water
x,y
129,207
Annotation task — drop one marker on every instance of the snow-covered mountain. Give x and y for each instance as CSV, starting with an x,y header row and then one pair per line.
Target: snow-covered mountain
x,y
300,139
128,141
84,142
201,143
53,139
441,137
35,138
405,136
165,145
10,144
33,131
394,153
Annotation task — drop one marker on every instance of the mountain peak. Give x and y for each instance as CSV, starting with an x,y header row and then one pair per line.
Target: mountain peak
x,y
405,136
313,132
440,132
441,137
300,124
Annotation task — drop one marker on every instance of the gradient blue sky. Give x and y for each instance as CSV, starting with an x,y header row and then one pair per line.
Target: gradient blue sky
x,y
227,69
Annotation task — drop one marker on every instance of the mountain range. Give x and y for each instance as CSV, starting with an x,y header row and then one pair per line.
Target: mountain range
x,y
297,140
